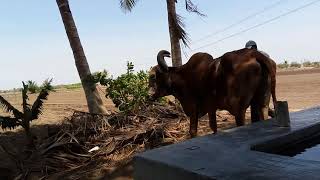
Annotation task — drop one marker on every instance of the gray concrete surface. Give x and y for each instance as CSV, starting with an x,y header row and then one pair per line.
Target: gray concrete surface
x,y
230,154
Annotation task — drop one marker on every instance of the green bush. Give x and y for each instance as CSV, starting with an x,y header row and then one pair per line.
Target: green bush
x,y
295,64
129,92
283,65
100,77
70,86
316,64
307,64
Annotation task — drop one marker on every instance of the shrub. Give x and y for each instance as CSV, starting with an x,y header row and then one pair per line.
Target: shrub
x,y
129,92
100,77
295,64
72,86
283,65
307,64
316,64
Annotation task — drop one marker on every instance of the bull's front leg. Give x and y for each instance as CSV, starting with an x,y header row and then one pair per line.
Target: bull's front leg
x,y
213,121
193,124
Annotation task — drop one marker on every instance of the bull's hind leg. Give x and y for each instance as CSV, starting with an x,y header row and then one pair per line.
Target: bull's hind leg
x,y
213,121
240,117
271,112
255,110
260,102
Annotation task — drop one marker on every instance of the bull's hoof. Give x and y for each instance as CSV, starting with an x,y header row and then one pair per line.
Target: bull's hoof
x,y
190,136
271,113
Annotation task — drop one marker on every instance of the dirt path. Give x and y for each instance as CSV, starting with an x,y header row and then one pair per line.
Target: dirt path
x,y
300,88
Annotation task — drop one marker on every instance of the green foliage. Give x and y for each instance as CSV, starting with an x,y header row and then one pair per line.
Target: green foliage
x,y
316,64
29,112
47,85
70,86
307,64
295,64
32,87
283,65
129,92
100,77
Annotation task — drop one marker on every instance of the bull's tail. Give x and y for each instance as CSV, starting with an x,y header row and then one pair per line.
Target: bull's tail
x,y
271,68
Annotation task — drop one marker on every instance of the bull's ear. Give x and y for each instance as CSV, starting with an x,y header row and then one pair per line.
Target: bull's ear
x,y
161,61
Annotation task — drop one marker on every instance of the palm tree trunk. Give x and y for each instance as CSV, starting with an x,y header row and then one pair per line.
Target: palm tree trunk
x,y
174,38
94,100
28,133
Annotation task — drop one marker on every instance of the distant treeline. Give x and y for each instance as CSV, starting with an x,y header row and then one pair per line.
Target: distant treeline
x,y
295,64
34,88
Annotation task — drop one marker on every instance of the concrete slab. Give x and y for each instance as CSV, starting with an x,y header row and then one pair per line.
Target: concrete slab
x,y
232,154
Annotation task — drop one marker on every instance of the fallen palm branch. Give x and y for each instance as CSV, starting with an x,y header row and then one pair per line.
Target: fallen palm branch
x,y
86,141
88,144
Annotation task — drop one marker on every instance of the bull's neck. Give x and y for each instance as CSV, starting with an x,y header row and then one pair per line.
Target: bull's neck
x,y
176,81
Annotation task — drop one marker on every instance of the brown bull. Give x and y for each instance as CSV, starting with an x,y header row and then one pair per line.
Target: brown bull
x,y
202,85
268,111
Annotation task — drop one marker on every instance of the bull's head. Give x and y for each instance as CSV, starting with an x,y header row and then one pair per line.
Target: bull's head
x,y
159,77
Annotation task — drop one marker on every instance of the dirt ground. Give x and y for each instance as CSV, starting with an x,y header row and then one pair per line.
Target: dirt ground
x,y
299,87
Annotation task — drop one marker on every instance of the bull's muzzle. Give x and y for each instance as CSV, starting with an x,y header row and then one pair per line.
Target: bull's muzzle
x,y
152,94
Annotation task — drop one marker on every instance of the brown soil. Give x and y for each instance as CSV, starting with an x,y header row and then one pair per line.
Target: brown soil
x,y
299,88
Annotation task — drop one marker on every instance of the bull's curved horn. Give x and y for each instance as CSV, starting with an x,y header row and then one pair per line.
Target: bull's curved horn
x,y
161,61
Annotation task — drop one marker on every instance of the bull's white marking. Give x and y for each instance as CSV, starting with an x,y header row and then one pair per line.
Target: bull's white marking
x,y
152,91
217,65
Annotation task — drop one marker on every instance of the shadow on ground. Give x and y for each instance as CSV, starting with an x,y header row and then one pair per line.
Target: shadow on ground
x,y
14,151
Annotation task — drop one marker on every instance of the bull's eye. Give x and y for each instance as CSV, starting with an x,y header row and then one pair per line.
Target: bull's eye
x,y
153,77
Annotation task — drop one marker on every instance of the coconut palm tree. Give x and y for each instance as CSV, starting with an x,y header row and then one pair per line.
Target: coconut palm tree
x,y
94,100
176,25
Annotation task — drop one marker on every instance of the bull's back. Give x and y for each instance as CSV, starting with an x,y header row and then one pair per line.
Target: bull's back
x,y
239,77
197,69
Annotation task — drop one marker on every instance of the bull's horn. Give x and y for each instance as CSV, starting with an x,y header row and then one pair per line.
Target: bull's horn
x,y
160,58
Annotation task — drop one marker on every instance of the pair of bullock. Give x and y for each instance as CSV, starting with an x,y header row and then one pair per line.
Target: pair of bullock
x,y
232,82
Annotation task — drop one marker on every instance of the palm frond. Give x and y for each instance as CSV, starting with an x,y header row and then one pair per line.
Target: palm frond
x,y
37,106
25,98
9,123
9,108
47,85
127,5
179,28
190,7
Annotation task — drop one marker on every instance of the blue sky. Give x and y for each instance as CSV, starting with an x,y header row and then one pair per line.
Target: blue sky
x,y
33,42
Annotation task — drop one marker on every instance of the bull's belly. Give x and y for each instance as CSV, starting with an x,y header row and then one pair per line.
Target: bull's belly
x,y
201,114
235,103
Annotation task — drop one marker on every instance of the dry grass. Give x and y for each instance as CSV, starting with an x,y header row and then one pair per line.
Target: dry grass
x,y
66,149
65,152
